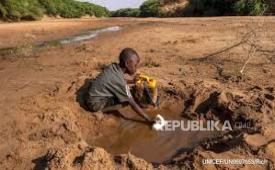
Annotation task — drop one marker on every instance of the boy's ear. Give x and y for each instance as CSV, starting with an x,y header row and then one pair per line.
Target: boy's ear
x,y
127,63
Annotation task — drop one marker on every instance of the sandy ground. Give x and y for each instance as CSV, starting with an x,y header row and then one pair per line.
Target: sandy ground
x,y
43,124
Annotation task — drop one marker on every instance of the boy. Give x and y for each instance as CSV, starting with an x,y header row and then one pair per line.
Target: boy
x,y
110,90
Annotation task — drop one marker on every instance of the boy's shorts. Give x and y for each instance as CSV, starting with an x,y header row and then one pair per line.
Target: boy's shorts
x,y
96,104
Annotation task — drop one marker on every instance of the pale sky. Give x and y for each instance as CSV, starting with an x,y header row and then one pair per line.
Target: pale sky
x,y
117,4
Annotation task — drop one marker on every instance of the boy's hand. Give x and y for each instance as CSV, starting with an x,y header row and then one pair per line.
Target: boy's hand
x,y
152,122
136,78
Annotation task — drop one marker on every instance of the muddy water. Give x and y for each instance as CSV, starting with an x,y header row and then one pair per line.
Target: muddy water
x,y
120,136
89,35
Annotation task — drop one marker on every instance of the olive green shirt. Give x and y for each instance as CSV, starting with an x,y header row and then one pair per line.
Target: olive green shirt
x,y
110,83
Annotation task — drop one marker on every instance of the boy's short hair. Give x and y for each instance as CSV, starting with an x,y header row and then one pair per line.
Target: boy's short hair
x,y
126,54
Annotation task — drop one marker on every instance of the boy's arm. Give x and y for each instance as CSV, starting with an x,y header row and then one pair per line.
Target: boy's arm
x,y
134,80
138,110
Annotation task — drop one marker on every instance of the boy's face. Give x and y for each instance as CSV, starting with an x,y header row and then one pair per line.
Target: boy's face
x,y
131,65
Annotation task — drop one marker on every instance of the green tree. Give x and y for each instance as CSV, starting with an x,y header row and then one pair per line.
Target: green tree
x,y
21,9
126,12
3,11
250,7
150,8
35,9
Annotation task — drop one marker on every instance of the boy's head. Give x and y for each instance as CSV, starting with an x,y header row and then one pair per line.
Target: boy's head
x,y
129,60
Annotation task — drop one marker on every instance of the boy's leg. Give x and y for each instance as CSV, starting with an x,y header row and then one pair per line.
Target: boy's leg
x,y
112,108
112,105
104,104
96,106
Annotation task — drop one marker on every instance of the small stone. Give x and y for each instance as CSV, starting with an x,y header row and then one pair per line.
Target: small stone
x,y
270,150
255,140
269,97
99,116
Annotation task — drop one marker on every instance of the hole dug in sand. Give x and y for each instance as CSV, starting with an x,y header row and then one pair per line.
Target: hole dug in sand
x,y
119,136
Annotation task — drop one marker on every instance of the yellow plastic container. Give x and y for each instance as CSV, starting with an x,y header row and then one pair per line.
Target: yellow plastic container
x,y
152,86
152,83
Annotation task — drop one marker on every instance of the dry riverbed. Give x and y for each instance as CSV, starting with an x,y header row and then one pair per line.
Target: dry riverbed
x,y
197,62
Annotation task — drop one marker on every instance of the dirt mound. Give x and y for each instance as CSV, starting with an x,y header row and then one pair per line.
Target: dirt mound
x,y
82,156
213,102
249,112
77,156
